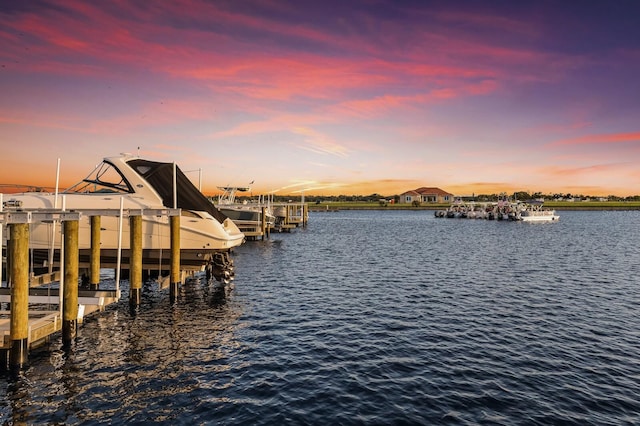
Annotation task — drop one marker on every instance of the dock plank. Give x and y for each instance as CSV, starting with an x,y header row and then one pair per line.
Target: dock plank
x,y
42,324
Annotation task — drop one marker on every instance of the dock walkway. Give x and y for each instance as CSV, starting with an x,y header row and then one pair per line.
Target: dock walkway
x,y
90,300
42,324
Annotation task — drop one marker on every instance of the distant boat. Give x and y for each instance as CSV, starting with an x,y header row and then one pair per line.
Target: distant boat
x,y
530,211
205,232
246,213
533,211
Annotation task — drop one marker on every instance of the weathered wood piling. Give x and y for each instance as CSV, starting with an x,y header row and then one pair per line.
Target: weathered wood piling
x,y
135,260
70,283
94,260
174,272
19,331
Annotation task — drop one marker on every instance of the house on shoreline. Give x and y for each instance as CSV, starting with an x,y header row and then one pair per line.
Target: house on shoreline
x,y
426,195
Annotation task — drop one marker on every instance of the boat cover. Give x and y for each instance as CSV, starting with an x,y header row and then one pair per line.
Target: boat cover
x,y
160,177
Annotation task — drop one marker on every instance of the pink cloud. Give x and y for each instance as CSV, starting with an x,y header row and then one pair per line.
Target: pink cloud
x,y
270,75
601,139
110,38
319,143
564,172
373,107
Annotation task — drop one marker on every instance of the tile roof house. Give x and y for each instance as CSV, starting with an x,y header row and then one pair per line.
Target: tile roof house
x,y
426,195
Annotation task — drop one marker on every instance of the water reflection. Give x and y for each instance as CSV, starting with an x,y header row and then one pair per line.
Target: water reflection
x,y
126,364
17,397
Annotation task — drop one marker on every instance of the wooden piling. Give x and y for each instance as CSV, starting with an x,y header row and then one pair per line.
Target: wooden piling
x,y
305,214
70,293
287,215
135,260
174,281
8,260
263,223
94,279
19,331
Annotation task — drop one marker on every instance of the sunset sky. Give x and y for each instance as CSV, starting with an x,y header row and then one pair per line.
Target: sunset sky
x,y
327,97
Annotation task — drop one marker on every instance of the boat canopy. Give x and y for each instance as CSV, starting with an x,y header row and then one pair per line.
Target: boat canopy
x,y
160,177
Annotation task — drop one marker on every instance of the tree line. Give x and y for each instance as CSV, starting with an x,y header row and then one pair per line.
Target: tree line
x,y
520,195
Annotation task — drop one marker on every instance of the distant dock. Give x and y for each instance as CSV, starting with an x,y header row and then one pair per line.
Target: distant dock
x,y
327,209
288,216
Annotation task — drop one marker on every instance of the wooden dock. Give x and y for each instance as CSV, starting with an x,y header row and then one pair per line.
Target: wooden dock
x,y
253,229
297,214
25,326
42,324
30,322
90,300
289,216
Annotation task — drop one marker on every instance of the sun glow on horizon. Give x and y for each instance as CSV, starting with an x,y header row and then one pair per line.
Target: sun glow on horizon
x,y
373,100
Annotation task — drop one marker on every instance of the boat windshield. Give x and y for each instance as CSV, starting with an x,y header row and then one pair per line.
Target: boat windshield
x,y
105,178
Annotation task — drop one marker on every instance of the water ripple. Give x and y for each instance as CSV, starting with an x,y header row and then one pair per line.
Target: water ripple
x,y
370,318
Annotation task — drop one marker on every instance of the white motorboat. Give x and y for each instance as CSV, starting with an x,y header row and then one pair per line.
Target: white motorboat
x,y
247,213
533,212
206,234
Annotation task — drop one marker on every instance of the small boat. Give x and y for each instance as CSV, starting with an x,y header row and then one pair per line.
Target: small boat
x,y
532,211
245,214
206,234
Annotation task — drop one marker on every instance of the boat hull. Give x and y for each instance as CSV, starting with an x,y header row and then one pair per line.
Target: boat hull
x,y
247,215
152,259
201,235
547,217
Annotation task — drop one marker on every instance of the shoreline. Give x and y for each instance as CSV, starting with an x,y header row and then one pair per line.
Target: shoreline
x,y
365,206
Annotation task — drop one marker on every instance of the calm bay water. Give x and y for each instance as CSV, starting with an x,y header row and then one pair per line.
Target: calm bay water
x,y
369,317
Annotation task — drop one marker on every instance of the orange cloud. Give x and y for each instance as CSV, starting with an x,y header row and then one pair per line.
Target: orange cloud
x,y
565,172
385,187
